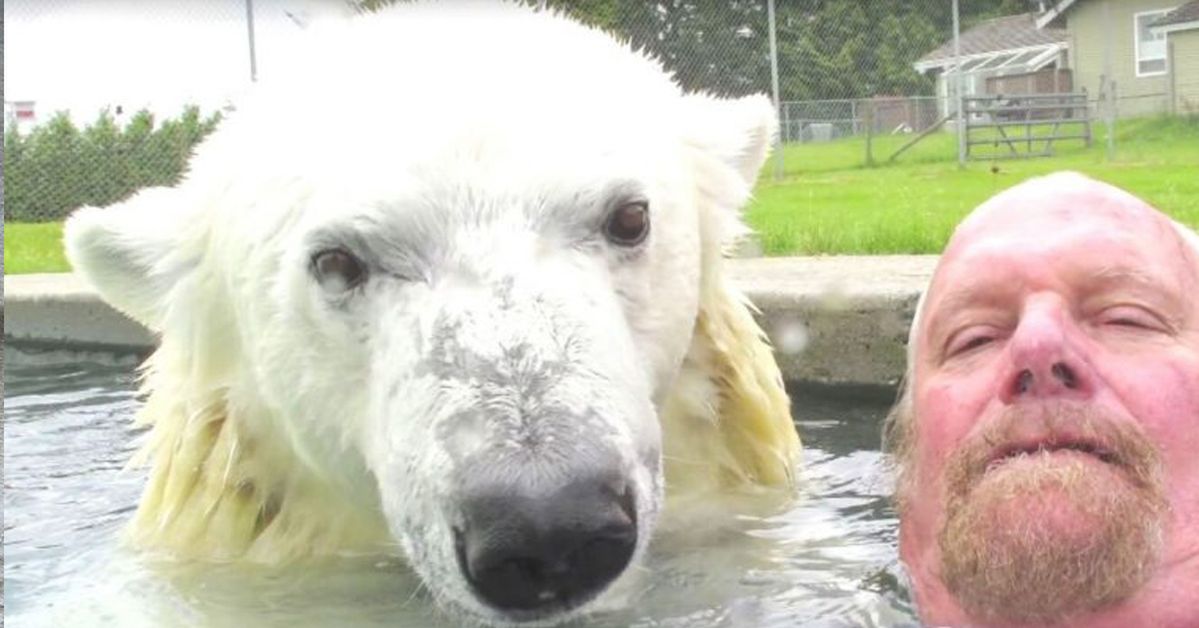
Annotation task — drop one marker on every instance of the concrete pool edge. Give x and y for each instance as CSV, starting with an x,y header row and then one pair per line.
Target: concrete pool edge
x,y
850,314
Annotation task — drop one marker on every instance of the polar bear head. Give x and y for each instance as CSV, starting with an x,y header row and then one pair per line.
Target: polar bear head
x,y
431,287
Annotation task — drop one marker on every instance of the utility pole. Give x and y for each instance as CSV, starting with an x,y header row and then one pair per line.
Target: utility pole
x,y
961,117
250,29
1109,83
774,86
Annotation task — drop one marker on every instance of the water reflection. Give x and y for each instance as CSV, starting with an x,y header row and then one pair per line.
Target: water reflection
x,y
826,560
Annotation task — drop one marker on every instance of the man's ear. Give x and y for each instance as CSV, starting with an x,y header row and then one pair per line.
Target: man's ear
x,y
739,132
133,252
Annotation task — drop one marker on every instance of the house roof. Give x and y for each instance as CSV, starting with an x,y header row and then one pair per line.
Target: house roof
x,y
1184,17
1187,14
1011,40
1053,13
999,34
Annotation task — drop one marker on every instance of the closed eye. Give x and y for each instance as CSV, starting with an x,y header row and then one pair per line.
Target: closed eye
x,y
974,343
969,340
970,344
1131,317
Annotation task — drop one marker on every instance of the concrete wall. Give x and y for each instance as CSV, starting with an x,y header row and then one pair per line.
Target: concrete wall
x,y
1098,24
833,320
60,309
1184,64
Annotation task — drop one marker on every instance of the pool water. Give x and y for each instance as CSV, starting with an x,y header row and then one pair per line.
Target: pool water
x,y
829,559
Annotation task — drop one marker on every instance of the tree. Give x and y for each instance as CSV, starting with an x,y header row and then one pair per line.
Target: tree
x,y
104,179
56,167
53,162
16,166
827,48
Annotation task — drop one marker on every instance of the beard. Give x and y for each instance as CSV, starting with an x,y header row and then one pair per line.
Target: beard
x,y
1041,535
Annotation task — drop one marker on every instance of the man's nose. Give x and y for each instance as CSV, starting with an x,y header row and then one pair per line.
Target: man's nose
x,y
1044,361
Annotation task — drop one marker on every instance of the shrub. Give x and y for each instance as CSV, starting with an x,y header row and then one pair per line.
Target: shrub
x,y
57,167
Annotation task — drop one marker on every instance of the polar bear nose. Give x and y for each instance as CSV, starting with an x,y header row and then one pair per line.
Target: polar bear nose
x,y
526,550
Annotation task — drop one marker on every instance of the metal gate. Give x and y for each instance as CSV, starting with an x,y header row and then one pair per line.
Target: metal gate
x,y
1023,125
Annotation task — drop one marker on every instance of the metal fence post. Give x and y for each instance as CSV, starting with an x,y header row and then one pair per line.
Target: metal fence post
x,y
774,86
250,30
1171,79
1111,120
1110,92
960,122
869,104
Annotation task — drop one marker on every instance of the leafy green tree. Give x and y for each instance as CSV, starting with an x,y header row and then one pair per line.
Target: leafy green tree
x,y
827,48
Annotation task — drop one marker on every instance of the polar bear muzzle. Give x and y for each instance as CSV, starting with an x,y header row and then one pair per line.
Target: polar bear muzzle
x,y
531,547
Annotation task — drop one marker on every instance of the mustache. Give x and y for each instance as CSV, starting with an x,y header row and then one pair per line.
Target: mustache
x,y
1028,429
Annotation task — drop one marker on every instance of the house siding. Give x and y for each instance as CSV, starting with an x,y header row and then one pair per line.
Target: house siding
x,y
1088,25
1184,46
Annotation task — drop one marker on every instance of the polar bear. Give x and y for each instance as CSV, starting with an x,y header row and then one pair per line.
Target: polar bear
x,y
454,287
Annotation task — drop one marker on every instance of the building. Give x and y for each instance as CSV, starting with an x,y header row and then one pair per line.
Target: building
x,y
1115,49
1141,55
1180,28
1001,56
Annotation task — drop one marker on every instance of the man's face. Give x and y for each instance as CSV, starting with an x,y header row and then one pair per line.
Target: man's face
x,y
1055,460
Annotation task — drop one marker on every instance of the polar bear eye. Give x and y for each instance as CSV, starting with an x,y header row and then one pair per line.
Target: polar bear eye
x,y
629,224
337,270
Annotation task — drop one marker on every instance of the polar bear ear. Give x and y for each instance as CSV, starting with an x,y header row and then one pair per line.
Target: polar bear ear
x,y
131,252
737,131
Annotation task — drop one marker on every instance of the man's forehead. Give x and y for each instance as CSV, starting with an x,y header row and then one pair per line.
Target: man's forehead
x,y
1100,224
1058,201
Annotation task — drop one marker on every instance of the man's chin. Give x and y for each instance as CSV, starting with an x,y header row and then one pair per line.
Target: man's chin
x,y
1044,535
1046,483
1058,497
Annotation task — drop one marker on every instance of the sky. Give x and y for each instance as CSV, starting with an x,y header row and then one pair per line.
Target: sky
x,y
85,55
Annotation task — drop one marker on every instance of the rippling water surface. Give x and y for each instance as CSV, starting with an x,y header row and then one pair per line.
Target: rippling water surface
x,y
827,560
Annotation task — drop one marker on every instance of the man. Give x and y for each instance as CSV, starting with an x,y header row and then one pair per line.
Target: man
x,y
1047,438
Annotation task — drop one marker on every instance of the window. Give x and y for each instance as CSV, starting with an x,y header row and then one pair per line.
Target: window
x,y
1150,49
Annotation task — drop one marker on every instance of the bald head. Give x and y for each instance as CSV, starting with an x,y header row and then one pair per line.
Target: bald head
x,y
1066,196
1053,382
1019,215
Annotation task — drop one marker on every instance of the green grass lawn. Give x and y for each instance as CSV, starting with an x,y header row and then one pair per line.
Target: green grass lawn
x,y
33,248
827,202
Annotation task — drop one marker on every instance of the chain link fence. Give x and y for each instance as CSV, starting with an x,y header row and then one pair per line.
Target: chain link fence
x,y
858,83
